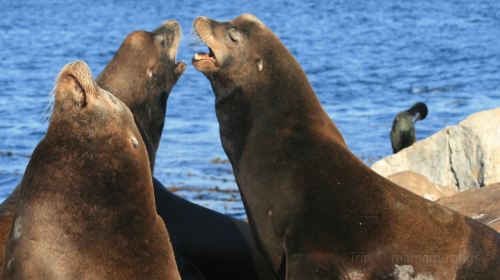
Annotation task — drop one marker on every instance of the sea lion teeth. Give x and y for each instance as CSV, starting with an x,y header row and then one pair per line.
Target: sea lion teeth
x,y
203,56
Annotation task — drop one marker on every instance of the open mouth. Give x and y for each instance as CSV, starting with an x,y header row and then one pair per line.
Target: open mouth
x,y
204,34
210,56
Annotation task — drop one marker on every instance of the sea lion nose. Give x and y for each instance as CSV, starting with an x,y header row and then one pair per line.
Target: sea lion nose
x,y
171,25
201,20
77,68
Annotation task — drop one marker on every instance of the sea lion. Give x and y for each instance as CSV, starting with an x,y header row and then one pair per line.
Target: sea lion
x,y
403,129
142,74
110,230
317,211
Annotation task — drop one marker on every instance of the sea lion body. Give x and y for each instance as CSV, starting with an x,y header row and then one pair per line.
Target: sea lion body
x,y
141,75
317,211
110,229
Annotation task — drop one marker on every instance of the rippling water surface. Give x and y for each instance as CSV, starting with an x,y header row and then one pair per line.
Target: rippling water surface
x,y
367,60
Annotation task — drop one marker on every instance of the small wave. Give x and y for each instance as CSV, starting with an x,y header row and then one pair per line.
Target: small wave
x,y
13,154
426,89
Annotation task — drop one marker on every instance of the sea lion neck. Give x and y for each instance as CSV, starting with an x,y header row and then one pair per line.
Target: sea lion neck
x,y
141,74
148,119
263,108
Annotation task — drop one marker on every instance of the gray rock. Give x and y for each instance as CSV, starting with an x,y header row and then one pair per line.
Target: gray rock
x,y
462,156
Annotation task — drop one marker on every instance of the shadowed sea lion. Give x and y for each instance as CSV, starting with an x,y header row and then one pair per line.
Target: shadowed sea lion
x,y
403,129
317,211
86,206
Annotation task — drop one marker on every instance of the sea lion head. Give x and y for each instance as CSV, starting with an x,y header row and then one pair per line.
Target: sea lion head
x,y
142,73
85,114
238,49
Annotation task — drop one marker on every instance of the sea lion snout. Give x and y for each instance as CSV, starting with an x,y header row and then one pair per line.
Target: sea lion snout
x,y
75,82
200,20
171,25
76,90
168,36
211,33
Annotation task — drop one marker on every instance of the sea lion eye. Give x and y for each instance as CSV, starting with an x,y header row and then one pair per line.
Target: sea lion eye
x,y
234,34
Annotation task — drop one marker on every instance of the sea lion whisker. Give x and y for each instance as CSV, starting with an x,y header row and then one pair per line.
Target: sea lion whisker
x,y
49,108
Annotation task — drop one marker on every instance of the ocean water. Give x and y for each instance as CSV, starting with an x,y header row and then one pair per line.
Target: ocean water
x,y
367,60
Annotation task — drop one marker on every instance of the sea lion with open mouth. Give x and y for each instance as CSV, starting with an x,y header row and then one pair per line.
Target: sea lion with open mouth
x,y
86,206
317,211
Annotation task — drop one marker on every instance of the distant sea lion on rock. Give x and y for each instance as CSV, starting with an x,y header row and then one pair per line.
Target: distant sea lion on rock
x,y
85,206
317,211
403,128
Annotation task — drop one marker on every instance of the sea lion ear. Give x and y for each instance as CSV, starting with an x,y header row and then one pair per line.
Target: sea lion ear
x,y
259,64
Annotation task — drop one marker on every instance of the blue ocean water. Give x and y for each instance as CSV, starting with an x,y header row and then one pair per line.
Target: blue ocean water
x,y
367,60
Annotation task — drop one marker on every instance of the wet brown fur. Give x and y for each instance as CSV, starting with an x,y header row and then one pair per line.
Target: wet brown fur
x,y
317,211
110,229
145,95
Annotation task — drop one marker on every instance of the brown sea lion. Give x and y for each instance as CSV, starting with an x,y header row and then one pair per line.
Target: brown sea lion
x,y
86,206
142,74
317,211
